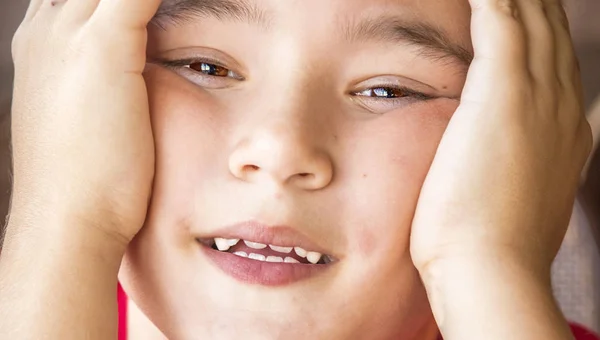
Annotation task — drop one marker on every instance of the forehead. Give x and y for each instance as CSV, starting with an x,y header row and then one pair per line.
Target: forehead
x,y
439,27
448,13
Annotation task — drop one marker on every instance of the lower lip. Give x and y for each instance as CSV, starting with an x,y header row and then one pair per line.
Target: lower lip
x,y
262,272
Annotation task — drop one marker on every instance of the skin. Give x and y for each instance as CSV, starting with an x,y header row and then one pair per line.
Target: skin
x,y
387,165
370,145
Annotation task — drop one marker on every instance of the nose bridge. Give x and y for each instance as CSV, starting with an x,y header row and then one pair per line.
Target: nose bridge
x,y
299,109
292,119
289,140
285,144
286,140
291,108
298,79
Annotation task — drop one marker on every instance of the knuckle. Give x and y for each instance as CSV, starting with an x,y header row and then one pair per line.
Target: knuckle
x,y
569,92
506,7
539,4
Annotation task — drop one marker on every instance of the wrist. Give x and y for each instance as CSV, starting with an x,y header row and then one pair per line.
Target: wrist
x,y
91,210
493,298
64,235
489,260
58,262
42,212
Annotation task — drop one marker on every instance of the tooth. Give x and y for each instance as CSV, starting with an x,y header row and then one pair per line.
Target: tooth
x,y
232,242
301,252
258,257
285,250
255,245
290,260
274,259
313,257
222,244
327,259
240,254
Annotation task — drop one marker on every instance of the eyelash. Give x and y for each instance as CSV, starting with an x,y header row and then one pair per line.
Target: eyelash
x,y
408,93
177,65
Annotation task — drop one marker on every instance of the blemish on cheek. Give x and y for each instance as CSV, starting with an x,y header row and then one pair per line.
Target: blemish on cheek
x,y
366,241
365,175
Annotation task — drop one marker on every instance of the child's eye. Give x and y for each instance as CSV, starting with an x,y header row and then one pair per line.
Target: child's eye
x,y
206,73
212,70
382,92
391,93
381,99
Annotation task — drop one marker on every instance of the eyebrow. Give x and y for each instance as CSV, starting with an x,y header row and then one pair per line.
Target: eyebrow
x,y
184,11
432,43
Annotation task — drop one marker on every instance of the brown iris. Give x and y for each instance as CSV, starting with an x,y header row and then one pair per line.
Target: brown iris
x,y
385,92
210,69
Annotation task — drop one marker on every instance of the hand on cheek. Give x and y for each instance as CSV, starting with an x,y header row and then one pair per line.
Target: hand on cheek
x,y
83,159
501,188
81,136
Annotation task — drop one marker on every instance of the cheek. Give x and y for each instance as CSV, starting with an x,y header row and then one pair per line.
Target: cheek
x,y
188,126
389,160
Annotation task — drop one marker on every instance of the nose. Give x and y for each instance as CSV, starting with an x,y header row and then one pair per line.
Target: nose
x,y
282,153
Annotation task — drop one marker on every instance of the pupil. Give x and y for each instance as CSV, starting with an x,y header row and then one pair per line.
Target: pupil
x,y
210,69
385,92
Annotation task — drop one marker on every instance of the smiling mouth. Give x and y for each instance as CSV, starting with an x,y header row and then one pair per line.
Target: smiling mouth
x,y
267,252
257,254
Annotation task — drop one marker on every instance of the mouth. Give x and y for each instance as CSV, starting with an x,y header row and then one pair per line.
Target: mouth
x,y
257,251
271,256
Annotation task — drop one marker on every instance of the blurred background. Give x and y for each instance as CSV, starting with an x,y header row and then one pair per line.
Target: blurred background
x,y
576,272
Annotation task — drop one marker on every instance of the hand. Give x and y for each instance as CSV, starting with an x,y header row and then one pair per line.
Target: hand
x,y
503,182
81,135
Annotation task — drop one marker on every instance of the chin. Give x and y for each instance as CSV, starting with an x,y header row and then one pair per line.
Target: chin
x,y
198,289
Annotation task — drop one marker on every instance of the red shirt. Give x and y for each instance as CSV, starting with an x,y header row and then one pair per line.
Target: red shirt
x,y
579,332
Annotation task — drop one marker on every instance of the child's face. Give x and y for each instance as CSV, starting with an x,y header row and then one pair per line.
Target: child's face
x,y
294,113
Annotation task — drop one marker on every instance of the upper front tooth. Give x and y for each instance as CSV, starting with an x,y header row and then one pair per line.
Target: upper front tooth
x,y
222,244
301,252
286,250
255,245
313,257
233,241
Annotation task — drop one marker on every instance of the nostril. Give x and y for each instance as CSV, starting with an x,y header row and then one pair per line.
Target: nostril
x,y
304,174
250,168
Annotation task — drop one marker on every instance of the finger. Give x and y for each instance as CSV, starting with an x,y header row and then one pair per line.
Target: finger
x,y
567,66
500,48
540,42
34,6
80,10
47,7
568,76
130,13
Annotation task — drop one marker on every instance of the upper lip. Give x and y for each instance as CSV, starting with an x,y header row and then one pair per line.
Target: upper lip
x,y
277,235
